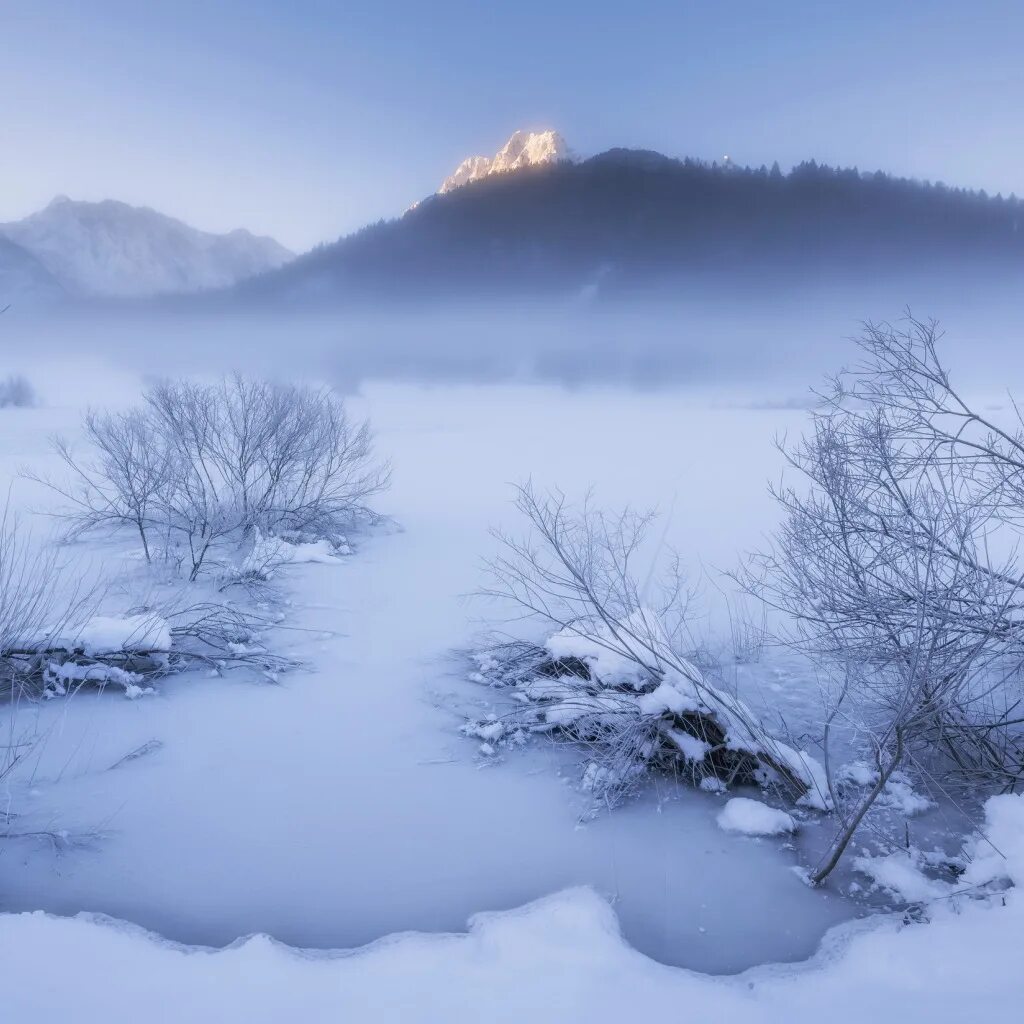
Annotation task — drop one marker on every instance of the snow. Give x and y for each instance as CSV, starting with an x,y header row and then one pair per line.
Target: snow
x,y
900,795
602,707
694,749
268,553
472,168
523,149
665,697
997,854
812,772
321,551
597,649
901,874
58,676
754,818
108,634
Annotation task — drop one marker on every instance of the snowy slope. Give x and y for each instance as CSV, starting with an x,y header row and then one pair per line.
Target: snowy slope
x,y
523,149
110,248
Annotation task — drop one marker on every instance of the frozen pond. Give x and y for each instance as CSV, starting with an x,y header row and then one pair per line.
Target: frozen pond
x,y
343,804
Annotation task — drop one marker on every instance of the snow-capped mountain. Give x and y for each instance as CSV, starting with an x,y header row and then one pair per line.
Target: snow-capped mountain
x,y
112,249
524,149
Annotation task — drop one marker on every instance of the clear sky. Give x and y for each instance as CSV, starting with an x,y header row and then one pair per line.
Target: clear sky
x,y
307,118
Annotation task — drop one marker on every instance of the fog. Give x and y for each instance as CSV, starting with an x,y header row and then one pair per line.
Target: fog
x,y
776,344
347,793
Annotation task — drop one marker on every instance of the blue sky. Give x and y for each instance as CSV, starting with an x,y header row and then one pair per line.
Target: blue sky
x,y
307,119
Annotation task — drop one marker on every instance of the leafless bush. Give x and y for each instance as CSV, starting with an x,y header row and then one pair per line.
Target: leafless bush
x,y
16,392
199,465
886,564
610,673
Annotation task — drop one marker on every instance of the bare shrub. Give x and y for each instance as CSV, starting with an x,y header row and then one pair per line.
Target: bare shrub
x,y
281,457
199,465
886,565
609,673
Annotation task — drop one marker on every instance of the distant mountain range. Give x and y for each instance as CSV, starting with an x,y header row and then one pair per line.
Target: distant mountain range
x,y
629,222
112,249
535,221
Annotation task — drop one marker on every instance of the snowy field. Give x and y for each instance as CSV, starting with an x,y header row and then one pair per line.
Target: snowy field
x,y
343,805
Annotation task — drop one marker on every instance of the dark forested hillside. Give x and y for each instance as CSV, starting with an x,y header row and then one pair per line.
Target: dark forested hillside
x,y
630,220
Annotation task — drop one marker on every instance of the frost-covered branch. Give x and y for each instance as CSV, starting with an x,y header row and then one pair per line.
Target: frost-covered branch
x,y
896,563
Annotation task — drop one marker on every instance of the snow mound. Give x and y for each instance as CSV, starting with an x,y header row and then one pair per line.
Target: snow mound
x,y
112,634
997,855
753,818
594,644
268,554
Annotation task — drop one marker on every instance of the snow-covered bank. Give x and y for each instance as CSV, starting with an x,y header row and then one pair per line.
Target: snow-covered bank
x,y
560,959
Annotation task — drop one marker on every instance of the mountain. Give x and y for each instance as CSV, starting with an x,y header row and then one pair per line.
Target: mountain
x,y
23,279
523,149
630,221
112,249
